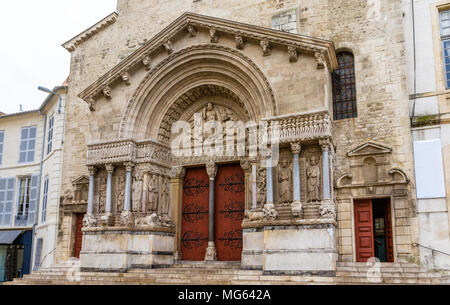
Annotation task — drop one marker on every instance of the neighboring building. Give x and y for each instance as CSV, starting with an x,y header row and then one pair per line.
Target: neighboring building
x,y
428,48
332,74
30,170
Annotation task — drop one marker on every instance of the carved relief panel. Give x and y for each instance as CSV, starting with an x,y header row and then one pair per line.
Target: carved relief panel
x,y
311,174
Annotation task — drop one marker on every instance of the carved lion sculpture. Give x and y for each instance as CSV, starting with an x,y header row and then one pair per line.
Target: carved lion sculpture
x,y
254,216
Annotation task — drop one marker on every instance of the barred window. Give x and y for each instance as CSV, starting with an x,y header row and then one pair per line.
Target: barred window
x,y
344,90
444,21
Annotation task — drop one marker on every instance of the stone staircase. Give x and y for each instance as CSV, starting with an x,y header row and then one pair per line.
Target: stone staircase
x,y
231,274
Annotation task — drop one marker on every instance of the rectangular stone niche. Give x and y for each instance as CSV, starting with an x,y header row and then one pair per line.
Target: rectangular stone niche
x,y
118,251
303,249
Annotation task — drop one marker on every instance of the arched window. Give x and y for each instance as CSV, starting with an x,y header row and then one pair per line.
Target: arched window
x,y
344,91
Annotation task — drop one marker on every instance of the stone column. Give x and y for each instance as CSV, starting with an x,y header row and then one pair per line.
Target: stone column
x,y
110,171
269,208
89,219
145,192
296,204
254,185
127,218
90,207
327,208
326,172
176,195
211,251
247,167
127,201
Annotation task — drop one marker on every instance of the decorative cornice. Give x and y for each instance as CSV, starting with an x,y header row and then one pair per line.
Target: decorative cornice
x,y
73,43
189,21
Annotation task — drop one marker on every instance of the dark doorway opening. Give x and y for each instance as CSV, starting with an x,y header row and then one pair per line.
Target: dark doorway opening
x,y
373,229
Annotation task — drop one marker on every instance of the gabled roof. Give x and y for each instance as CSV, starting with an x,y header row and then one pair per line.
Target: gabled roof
x,y
321,48
72,44
369,148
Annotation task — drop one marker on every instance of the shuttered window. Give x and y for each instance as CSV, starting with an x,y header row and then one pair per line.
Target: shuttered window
x,y
27,144
344,87
27,200
2,139
51,123
6,201
44,200
38,254
444,21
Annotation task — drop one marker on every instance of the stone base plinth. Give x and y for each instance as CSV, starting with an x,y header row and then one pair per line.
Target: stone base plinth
x,y
299,249
122,249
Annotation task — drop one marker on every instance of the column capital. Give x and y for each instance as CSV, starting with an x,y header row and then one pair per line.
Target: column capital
x,y
129,166
109,168
178,172
325,144
92,170
211,169
296,147
246,165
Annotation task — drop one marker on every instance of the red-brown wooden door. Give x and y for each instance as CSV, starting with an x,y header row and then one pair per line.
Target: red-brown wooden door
x,y
365,248
195,214
229,212
388,233
78,235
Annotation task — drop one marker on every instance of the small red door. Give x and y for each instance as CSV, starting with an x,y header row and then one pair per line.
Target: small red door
x,y
195,214
388,233
229,212
78,235
364,230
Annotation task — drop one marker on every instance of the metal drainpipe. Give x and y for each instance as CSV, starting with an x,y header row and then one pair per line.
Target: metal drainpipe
x,y
38,201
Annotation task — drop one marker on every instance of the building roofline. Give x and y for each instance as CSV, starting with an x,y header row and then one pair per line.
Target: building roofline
x,y
73,43
39,110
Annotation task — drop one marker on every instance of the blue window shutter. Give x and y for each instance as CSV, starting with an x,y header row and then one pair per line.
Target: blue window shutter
x,y
33,200
38,254
6,200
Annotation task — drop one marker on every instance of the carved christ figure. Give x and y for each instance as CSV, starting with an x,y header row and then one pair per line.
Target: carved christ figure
x,y
313,175
284,181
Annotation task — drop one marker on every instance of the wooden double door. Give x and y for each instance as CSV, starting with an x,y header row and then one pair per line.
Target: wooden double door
x,y
229,210
373,230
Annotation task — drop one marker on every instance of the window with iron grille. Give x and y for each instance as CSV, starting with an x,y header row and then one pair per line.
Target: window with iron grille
x,y
444,21
344,89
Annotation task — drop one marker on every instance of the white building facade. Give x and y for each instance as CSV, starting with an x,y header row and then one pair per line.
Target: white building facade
x,y
31,146
428,52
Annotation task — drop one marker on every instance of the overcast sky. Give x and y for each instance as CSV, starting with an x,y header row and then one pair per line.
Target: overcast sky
x,y
32,32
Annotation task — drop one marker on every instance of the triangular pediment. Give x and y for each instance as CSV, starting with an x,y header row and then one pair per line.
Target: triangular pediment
x,y
81,180
187,25
369,148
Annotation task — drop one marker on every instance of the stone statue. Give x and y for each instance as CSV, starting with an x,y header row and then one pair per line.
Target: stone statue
x,y
209,113
261,185
285,182
102,193
313,175
163,208
153,193
138,181
120,193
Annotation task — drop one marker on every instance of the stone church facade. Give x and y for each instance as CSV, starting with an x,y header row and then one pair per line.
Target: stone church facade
x,y
341,163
